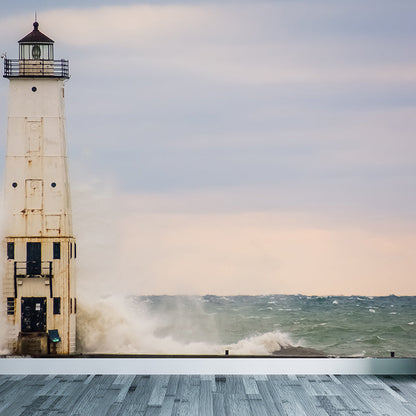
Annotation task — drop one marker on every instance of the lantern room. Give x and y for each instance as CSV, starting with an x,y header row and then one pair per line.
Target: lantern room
x,y
36,58
36,46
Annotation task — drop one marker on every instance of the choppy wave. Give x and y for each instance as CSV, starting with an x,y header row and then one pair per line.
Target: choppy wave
x,y
252,325
121,326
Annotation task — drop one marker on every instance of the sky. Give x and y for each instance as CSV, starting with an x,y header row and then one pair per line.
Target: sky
x,y
236,147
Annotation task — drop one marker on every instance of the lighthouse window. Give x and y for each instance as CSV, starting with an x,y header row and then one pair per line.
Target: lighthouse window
x,y
36,52
14,184
10,251
34,89
53,184
56,306
10,306
56,250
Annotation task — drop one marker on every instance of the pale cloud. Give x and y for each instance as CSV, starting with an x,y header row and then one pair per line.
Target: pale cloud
x,y
257,147
262,44
158,251
125,26
261,253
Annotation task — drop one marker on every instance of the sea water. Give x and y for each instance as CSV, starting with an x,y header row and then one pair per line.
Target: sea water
x,y
346,326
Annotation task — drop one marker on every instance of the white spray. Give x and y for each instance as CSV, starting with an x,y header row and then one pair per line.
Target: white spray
x,y
119,325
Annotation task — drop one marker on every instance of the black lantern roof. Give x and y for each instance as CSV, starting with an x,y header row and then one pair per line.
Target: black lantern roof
x,y
36,36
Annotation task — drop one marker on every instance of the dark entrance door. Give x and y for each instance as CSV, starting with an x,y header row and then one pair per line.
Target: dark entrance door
x,y
33,258
33,314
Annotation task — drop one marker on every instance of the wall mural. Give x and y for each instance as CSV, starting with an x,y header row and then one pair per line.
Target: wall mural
x,y
241,178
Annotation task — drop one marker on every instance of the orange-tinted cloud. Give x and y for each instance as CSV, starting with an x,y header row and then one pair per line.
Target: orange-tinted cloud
x,y
246,253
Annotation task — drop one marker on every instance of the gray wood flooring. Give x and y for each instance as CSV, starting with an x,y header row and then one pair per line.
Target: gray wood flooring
x,y
206,395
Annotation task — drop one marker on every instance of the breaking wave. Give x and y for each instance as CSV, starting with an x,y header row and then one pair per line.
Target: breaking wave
x,y
116,325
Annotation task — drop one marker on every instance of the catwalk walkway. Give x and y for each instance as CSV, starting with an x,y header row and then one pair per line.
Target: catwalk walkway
x,y
207,395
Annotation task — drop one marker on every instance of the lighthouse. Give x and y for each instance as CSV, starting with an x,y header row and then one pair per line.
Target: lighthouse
x,y
39,247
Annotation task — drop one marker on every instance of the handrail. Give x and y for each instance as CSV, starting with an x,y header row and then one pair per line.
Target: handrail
x,y
32,269
28,268
36,68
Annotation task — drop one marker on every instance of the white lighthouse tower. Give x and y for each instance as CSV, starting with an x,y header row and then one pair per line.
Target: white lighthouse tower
x,y
39,280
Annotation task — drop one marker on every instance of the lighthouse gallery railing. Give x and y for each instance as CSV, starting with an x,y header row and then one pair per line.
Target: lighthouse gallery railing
x,y
36,68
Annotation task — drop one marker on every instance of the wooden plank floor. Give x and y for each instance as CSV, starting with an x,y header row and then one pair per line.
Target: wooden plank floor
x,y
206,395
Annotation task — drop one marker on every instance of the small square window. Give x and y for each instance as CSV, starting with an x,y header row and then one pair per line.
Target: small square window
x,y
56,250
10,251
10,306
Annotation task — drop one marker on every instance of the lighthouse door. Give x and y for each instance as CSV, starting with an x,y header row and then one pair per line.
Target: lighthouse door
x,y
33,314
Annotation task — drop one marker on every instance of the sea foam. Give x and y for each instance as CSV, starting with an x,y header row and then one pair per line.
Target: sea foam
x,y
119,325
